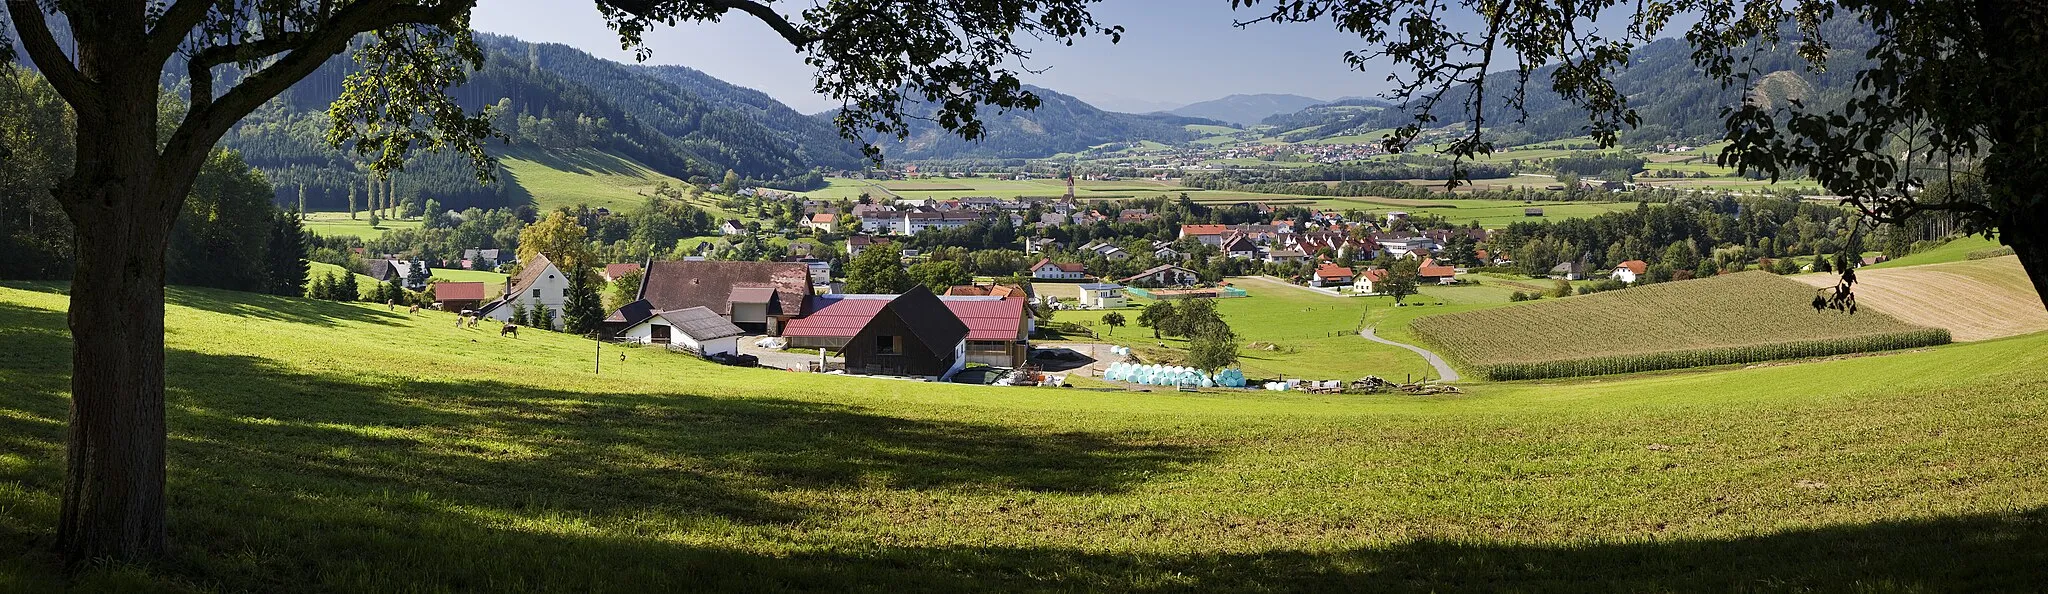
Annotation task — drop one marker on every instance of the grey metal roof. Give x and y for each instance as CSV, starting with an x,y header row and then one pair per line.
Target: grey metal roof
x,y
700,323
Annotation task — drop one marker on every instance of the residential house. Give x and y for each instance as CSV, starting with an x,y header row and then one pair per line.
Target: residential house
x,y
1630,271
457,297
1331,275
479,259
1241,247
756,296
1571,271
1165,252
1401,247
539,284
1286,256
1370,282
1431,272
1046,269
698,329
824,221
732,227
859,243
1107,250
412,274
915,222
1163,275
821,271
1217,235
612,272
1040,245
875,218
1101,296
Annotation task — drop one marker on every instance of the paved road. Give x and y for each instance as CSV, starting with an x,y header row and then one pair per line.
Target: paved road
x,y
778,359
1443,370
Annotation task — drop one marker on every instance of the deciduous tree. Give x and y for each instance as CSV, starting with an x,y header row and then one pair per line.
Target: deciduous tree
x,y
128,182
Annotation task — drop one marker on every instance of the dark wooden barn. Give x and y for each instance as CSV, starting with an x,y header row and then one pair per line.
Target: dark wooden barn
x,y
916,334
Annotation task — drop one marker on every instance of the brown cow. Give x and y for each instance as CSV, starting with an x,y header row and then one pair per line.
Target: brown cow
x,y
509,330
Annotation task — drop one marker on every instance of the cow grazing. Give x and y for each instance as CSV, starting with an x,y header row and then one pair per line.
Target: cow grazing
x,y
511,330
414,310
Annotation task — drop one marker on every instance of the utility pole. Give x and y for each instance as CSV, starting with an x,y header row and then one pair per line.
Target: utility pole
x,y
597,364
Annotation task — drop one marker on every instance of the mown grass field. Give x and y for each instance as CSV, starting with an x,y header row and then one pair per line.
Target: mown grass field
x,y
435,459
558,178
335,224
1956,250
1749,311
1291,332
1972,299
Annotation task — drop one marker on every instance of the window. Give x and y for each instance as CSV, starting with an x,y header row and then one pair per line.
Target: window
x,y
885,345
536,293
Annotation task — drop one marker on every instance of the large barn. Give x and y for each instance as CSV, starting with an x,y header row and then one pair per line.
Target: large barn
x,y
913,334
759,297
999,329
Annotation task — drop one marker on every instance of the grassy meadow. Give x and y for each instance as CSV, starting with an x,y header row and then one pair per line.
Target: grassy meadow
x,y
436,459
1745,312
335,224
1293,332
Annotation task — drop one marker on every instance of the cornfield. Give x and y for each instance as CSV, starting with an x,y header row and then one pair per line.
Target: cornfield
x,y
1730,319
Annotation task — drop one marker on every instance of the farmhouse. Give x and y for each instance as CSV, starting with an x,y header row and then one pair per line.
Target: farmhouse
x,y
732,227
1368,282
538,284
412,274
1571,271
458,296
1046,269
1630,271
823,221
756,296
1432,272
698,329
1102,296
476,259
1163,275
1331,275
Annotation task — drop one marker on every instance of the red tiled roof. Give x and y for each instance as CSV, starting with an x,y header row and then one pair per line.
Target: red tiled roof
x,y
452,291
1430,269
1636,266
1329,270
824,217
613,271
1376,274
1203,229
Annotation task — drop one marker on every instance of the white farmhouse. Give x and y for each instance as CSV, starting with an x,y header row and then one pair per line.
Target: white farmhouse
x,y
538,284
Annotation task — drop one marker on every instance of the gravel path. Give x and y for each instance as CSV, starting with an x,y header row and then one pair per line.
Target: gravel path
x,y
1443,370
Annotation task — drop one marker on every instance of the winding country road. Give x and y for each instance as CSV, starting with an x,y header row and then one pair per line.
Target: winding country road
x,y
1443,370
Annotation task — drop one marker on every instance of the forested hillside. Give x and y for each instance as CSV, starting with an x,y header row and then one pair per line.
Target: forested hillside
x,y
1061,124
1676,101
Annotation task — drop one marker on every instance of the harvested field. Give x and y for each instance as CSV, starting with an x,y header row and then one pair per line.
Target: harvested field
x,y
1973,299
1738,318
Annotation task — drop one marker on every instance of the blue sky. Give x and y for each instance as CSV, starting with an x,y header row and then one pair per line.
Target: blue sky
x,y
1174,52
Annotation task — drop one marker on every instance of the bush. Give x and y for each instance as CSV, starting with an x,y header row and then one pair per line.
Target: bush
x,y
2005,250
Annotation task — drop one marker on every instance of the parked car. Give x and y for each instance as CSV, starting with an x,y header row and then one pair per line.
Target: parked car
x,y
735,359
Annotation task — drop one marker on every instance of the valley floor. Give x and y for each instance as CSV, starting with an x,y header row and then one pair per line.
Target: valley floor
x,y
337,447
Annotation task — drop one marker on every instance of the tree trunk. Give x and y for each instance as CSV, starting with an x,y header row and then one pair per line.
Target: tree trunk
x,y
2027,234
122,198
114,474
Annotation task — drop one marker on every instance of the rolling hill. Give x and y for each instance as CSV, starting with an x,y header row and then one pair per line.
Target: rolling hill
x,y
1061,124
345,447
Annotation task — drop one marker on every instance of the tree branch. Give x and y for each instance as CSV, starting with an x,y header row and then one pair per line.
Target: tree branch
x,y
203,127
200,66
172,28
50,59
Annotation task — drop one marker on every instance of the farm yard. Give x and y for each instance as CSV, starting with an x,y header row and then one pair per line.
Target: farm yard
x,y
440,458
1736,318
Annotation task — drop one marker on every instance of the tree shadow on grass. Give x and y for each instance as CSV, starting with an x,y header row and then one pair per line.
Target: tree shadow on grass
x,y
272,307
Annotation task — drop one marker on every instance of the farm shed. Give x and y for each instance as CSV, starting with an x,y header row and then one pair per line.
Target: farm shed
x,y
915,334
698,329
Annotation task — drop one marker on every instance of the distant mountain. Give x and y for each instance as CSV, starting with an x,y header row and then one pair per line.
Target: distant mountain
x,y
1245,110
1110,102
554,99
1061,124
1677,103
